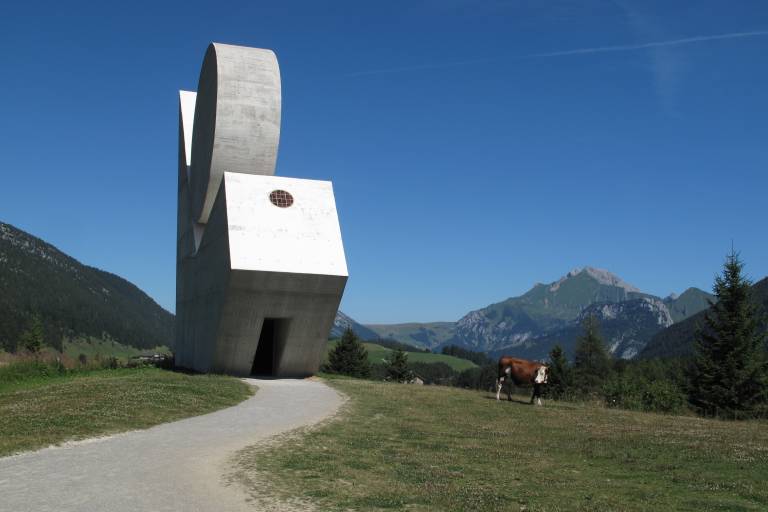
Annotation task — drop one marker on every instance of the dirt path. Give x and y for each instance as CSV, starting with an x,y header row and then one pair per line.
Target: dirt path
x,y
172,467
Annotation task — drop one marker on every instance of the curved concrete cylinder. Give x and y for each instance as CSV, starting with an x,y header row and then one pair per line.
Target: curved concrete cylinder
x,y
237,120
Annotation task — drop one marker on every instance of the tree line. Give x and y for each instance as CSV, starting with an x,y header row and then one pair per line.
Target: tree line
x,y
350,357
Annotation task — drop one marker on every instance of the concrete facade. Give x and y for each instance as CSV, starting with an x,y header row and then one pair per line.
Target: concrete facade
x,y
260,267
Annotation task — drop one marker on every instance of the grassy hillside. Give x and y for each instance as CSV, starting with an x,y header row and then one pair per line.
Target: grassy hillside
x,y
429,448
93,349
376,353
422,335
38,409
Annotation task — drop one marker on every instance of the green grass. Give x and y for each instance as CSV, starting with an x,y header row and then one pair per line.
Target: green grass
x,y
419,448
93,347
38,410
377,353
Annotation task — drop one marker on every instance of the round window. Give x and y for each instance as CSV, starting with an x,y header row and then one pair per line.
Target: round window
x,y
281,198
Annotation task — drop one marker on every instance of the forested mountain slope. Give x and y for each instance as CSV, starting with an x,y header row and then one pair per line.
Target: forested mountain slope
x,y
71,299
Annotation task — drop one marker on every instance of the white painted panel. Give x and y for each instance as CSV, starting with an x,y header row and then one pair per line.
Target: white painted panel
x,y
304,238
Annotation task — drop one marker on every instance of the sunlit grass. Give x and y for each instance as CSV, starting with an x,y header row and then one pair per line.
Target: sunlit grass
x,y
405,447
94,347
41,411
377,354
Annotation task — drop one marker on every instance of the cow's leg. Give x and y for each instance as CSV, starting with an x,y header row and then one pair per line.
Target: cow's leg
x,y
510,382
536,394
499,383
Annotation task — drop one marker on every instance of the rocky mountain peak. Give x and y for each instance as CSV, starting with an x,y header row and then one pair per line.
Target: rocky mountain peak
x,y
342,321
651,306
600,275
11,237
531,324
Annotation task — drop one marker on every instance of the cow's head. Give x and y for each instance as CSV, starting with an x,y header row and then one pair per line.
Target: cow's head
x,y
542,374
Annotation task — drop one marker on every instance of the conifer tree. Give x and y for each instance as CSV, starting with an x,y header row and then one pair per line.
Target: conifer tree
x,y
32,338
349,357
396,367
729,376
592,363
559,377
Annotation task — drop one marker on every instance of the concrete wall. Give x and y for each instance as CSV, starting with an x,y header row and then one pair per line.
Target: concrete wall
x,y
240,258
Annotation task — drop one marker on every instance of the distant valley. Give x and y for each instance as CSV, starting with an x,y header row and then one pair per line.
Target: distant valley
x,y
548,314
424,335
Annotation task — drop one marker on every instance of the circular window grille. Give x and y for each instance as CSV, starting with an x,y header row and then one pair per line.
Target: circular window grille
x,y
281,198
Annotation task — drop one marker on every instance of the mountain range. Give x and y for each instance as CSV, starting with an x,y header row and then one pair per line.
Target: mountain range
x,y
71,299
548,314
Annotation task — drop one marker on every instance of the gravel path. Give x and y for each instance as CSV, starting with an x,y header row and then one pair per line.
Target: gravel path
x,y
172,467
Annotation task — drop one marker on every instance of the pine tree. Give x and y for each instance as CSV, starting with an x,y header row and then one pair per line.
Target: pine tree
x,y
592,363
32,338
559,378
396,367
729,375
349,357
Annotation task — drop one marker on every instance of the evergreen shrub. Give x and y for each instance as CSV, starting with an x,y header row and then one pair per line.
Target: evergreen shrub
x,y
663,396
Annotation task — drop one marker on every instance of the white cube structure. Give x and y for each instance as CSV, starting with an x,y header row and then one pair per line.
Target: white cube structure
x,y
260,265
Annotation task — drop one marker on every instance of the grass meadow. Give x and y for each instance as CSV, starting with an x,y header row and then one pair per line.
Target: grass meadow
x,y
40,406
431,448
94,348
377,354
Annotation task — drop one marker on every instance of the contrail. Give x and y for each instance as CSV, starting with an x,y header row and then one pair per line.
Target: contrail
x,y
628,47
578,51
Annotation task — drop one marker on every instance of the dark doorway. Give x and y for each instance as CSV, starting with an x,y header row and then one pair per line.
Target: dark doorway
x,y
264,360
274,333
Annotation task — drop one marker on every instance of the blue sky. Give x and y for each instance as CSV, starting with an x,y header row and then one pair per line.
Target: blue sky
x,y
475,147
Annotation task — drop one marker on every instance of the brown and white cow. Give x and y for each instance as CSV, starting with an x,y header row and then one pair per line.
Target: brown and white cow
x,y
521,372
